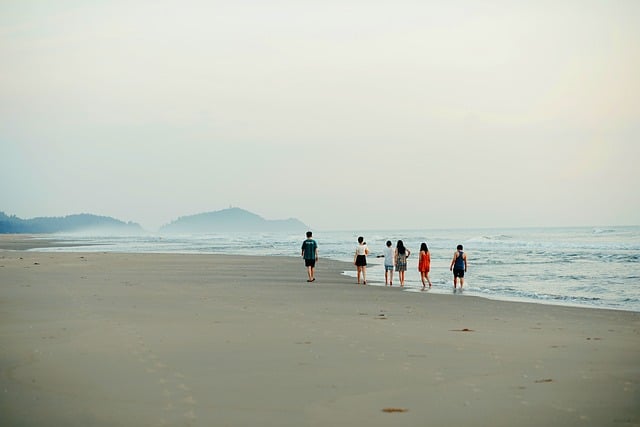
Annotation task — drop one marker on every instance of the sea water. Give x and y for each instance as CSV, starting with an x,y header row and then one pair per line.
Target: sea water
x,y
589,267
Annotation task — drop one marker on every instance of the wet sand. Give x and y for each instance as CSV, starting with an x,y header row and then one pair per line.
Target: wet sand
x,y
23,242
109,339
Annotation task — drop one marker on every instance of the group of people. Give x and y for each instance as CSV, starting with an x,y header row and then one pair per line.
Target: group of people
x,y
394,258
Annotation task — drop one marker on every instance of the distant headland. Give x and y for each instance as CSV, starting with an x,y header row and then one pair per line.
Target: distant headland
x,y
80,223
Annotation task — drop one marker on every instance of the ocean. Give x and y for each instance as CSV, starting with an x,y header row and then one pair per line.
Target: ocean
x,y
582,266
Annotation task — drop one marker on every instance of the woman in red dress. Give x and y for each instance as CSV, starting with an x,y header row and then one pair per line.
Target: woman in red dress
x,y
424,265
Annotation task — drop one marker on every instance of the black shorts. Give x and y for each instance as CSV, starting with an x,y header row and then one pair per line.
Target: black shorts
x,y
458,273
361,261
310,262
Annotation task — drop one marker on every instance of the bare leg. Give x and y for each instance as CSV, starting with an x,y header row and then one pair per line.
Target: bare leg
x,y
364,274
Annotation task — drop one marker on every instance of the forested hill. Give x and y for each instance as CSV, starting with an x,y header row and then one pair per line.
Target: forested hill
x,y
232,219
69,224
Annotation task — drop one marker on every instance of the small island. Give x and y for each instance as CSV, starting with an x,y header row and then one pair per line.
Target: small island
x,y
232,219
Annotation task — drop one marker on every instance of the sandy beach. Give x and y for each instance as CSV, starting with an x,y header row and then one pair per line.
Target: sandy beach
x,y
104,339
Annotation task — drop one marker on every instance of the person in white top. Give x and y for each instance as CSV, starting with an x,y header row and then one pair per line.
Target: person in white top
x,y
360,259
387,254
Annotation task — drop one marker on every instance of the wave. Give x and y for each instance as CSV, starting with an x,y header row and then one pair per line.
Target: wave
x,y
488,238
538,296
603,230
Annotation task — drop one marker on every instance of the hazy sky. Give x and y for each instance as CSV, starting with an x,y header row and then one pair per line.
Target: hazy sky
x,y
344,114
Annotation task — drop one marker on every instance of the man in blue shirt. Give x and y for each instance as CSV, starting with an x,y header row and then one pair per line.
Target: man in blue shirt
x,y
310,255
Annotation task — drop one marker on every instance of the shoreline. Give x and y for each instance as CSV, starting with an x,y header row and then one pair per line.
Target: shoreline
x,y
31,242
25,242
175,339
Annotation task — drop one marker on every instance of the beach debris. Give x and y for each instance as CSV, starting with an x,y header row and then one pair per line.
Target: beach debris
x,y
594,339
546,380
394,410
382,316
462,330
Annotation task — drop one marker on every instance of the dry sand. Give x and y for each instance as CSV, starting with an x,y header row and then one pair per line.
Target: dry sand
x,y
102,339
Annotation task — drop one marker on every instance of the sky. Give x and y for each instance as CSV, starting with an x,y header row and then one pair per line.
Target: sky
x,y
348,115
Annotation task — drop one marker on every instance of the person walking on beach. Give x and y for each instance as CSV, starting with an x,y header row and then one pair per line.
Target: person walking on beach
x,y
459,267
387,253
310,255
400,255
424,265
360,259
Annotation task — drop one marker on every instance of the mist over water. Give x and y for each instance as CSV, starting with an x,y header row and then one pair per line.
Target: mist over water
x,y
589,267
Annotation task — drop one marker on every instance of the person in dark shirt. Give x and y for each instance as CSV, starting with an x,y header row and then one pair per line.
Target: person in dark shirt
x,y
310,255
